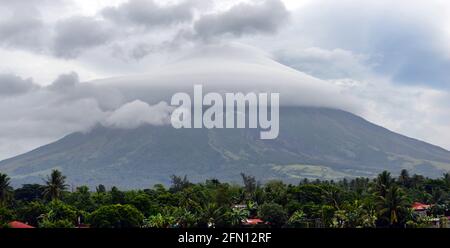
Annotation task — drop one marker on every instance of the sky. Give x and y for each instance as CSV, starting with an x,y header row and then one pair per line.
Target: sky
x,y
392,58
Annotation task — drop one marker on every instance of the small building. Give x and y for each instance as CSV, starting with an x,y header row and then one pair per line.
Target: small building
x,y
18,224
252,222
417,206
420,208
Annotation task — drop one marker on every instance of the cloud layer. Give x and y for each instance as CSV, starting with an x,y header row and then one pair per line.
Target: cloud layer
x,y
406,40
32,115
24,26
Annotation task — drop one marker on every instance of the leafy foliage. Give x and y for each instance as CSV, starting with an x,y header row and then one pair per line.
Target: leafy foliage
x,y
55,184
116,216
384,201
5,190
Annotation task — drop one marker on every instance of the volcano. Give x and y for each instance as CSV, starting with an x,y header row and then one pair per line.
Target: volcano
x,y
321,135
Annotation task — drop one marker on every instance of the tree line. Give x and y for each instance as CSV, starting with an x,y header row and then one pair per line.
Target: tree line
x,y
384,201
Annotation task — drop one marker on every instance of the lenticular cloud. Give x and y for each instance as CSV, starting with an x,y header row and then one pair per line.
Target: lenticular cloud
x,y
230,68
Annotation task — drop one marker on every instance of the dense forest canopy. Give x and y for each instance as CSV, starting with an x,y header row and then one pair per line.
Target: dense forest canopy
x,y
385,201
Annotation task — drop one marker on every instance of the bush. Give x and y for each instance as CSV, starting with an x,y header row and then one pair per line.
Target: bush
x,y
61,211
6,216
142,202
273,213
116,216
31,212
56,224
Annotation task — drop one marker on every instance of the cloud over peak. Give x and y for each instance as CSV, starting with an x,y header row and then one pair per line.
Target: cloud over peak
x,y
137,113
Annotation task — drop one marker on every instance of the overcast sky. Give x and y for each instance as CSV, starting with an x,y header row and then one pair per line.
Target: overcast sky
x,y
393,57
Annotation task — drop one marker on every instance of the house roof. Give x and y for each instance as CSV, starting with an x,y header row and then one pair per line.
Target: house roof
x,y
420,206
253,221
18,224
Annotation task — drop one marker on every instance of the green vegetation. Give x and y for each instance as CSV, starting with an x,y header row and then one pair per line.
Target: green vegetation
x,y
384,201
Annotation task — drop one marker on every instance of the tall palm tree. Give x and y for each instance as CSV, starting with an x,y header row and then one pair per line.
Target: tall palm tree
x,y
437,196
383,183
5,189
55,185
393,206
333,196
404,178
447,179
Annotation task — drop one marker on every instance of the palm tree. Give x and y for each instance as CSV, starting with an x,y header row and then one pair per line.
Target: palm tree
x,y
159,221
184,218
332,195
237,215
447,179
437,195
297,218
393,206
209,213
404,178
383,183
55,185
5,189
360,215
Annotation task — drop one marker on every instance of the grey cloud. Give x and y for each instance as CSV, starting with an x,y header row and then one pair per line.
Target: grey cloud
x,y
76,34
148,13
38,117
45,114
244,18
141,50
13,85
25,25
30,3
404,37
68,88
22,28
64,82
160,26
67,105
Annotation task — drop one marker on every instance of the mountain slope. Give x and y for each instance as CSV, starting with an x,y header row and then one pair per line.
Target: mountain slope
x,y
313,142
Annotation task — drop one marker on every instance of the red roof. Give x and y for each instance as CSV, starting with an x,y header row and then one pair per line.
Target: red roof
x,y
18,224
253,221
420,206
